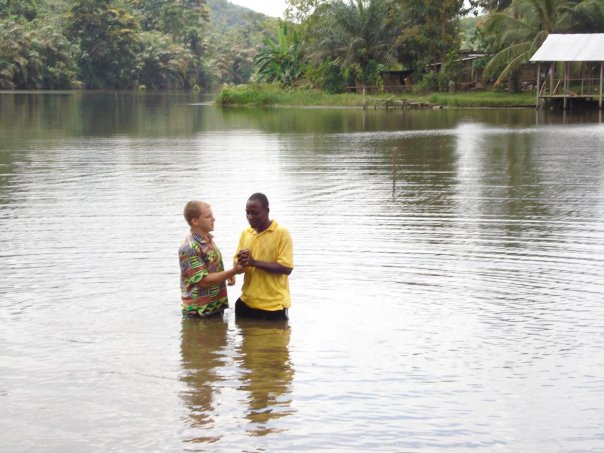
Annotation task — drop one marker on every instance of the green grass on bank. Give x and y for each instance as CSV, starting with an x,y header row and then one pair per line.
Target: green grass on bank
x,y
482,99
273,95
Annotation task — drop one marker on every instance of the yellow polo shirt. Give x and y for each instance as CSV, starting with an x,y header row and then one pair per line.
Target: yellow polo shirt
x,y
261,289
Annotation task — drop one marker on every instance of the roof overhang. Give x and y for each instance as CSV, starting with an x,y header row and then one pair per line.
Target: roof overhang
x,y
572,47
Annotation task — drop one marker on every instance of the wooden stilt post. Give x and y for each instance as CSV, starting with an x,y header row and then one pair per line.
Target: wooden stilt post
x,y
364,101
551,79
538,80
601,79
565,84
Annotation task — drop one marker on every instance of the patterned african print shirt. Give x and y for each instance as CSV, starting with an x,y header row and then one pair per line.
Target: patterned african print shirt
x,y
198,258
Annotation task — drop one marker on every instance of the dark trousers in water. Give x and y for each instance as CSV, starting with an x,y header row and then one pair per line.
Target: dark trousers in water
x,y
243,311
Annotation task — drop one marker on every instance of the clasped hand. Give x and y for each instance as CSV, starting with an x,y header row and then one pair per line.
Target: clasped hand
x,y
239,269
245,258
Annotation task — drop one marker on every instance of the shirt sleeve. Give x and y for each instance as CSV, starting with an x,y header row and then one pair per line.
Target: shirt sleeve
x,y
285,256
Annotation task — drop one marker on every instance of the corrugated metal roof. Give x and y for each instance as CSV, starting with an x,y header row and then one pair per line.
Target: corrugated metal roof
x,y
575,47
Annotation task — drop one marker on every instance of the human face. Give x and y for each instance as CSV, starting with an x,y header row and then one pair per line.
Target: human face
x,y
257,215
205,222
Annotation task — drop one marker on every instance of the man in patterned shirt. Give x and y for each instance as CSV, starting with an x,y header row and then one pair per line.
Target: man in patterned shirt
x,y
202,275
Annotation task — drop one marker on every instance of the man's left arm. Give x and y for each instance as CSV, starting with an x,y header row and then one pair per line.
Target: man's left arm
x,y
268,266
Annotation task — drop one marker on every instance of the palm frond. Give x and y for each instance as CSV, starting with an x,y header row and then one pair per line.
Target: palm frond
x,y
500,61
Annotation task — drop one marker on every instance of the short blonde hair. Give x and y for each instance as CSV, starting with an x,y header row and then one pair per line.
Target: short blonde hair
x,y
193,209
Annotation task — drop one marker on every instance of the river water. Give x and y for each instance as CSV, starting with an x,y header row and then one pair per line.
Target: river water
x,y
448,293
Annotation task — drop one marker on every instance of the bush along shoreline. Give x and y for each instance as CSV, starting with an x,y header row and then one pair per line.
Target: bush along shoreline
x,y
274,95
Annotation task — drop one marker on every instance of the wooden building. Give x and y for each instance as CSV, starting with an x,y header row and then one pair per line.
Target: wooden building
x,y
568,67
468,77
397,81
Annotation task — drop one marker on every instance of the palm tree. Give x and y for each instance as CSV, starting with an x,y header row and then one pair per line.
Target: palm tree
x,y
163,64
21,63
521,29
107,39
357,33
588,17
58,65
281,60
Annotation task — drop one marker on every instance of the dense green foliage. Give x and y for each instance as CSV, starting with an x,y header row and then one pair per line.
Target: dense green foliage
x,y
331,45
428,31
34,57
258,94
281,59
106,39
126,44
362,37
357,34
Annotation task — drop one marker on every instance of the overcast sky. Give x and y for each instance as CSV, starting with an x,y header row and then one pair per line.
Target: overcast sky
x,y
272,8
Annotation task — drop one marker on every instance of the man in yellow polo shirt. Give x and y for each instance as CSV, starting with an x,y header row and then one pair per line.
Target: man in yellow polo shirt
x,y
266,250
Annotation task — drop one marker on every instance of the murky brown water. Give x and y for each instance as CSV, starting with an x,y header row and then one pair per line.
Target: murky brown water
x,y
447,296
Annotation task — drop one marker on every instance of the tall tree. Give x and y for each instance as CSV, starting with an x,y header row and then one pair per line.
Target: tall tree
x,y
587,16
355,32
428,30
18,65
183,19
107,38
34,55
162,64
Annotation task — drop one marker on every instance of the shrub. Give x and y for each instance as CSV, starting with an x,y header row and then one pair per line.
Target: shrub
x,y
328,76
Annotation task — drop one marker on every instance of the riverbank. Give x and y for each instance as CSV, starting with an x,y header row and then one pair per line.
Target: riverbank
x,y
272,95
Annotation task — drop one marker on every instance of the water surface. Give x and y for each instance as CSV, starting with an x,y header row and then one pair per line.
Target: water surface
x,y
447,294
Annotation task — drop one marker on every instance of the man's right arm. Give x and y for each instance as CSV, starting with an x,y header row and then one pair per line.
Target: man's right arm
x,y
214,278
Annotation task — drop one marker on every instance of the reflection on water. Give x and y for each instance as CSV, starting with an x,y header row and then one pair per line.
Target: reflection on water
x,y
267,372
250,363
447,293
148,115
203,350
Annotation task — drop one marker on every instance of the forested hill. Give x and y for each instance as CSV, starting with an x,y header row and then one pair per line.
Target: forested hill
x,y
235,35
227,14
128,44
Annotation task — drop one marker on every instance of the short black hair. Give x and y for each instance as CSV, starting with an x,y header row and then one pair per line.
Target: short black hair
x,y
260,197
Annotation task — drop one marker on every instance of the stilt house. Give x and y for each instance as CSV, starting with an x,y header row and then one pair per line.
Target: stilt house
x,y
568,67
